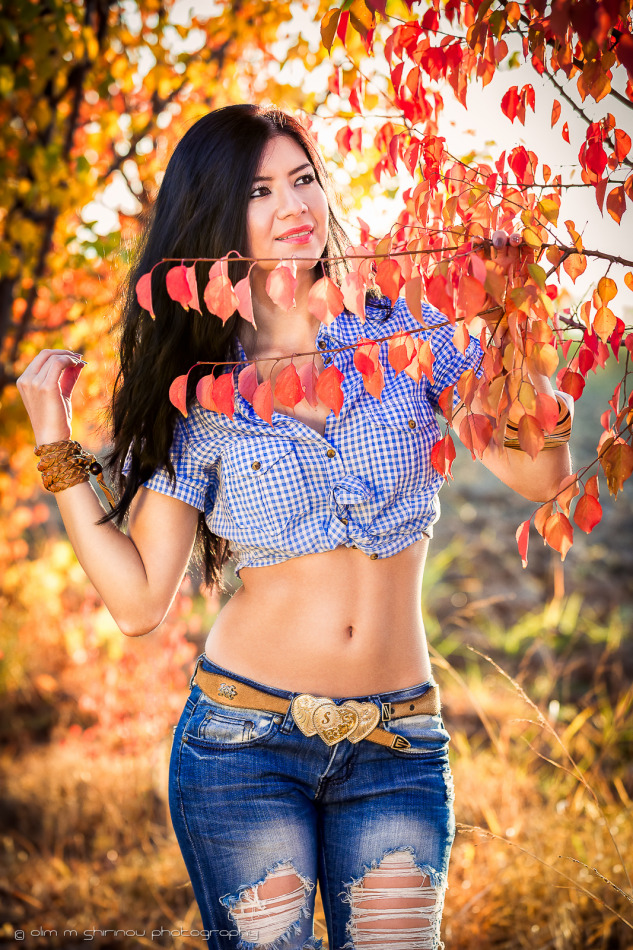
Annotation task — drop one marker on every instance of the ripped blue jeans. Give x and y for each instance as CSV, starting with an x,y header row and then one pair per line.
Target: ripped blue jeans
x,y
262,812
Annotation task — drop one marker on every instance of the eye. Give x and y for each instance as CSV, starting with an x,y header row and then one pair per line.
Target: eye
x,y
306,179
260,191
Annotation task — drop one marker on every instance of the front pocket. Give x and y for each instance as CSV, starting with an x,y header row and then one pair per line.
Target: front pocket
x,y
262,483
215,726
426,734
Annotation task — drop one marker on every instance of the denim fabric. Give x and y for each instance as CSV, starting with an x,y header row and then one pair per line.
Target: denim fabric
x,y
284,490
249,793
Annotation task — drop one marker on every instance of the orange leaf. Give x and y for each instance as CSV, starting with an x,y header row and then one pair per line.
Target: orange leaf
x,y
607,289
604,323
523,537
555,112
263,401
471,297
530,435
328,388
543,358
475,431
617,463
546,411
194,300
375,383
559,533
542,513
622,144
178,393
325,300
220,297
389,278
628,279
402,349
616,203
366,358
565,132
281,284
144,294
588,512
461,337
288,388
329,25
445,402
592,487
575,265
567,491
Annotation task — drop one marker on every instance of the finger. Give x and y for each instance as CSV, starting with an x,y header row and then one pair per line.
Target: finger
x,y
39,361
49,376
69,378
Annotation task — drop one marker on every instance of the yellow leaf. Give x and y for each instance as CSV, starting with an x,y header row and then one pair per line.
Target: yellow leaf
x,y
549,209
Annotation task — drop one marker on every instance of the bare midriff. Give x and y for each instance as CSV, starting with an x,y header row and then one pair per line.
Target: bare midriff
x,y
335,623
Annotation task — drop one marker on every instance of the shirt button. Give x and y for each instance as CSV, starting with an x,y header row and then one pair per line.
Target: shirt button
x,y
372,557
331,453
321,344
343,520
412,423
256,465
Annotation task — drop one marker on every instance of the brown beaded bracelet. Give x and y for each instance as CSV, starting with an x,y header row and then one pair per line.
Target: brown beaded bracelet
x,y
65,463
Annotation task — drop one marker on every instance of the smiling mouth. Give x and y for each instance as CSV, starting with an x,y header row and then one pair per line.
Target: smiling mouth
x,y
303,235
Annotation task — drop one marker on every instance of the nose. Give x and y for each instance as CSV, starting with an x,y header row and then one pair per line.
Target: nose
x,y
290,203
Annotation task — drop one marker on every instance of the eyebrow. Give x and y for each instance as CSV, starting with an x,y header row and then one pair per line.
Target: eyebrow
x,y
293,172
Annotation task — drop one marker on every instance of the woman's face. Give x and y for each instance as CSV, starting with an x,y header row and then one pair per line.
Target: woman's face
x,y
288,210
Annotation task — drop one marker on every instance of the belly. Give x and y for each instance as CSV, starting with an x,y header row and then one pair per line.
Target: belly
x,y
334,623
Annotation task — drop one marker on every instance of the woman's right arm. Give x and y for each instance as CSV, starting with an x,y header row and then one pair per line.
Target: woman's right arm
x,y
137,575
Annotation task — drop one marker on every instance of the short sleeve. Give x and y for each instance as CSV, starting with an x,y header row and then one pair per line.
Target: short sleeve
x,y
194,469
449,363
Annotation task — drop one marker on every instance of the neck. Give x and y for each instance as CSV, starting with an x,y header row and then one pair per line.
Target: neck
x,y
279,332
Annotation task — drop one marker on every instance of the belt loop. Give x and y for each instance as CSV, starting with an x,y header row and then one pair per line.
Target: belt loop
x,y
193,675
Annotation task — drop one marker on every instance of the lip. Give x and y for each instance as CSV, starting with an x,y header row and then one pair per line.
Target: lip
x,y
301,235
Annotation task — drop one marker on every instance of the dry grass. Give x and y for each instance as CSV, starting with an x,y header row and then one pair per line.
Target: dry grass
x,y
87,841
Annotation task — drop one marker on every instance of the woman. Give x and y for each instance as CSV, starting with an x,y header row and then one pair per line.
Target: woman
x,y
311,746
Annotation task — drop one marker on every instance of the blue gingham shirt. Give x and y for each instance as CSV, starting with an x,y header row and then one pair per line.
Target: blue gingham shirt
x,y
277,492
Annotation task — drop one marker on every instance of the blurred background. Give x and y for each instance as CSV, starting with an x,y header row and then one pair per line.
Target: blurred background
x,y
535,665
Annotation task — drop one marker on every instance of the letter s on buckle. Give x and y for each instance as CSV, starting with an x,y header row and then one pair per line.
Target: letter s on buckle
x,y
399,742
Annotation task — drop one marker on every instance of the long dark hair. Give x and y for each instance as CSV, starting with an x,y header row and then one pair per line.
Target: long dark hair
x,y
200,212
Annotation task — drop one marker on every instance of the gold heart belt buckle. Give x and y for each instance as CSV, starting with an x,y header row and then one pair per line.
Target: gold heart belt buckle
x,y
319,715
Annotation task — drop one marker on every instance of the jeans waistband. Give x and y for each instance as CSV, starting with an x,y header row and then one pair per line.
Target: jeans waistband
x,y
391,696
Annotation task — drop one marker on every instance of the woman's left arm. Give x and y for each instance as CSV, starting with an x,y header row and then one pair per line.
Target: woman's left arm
x,y
536,479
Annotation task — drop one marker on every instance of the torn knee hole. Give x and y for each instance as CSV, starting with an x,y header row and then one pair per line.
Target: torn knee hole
x,y
395,907
273,908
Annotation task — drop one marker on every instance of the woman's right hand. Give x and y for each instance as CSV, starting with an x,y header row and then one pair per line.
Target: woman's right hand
x,y
46,388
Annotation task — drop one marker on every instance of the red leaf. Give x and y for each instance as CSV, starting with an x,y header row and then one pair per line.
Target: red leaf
x,y
245,300
443,456
624,51
178,393
471,297
366,358
565,132
546,411
178,286
353,289
475,431
263,401
572,383
622,144
559,533
144,293
523,537
588,512
325,300
592,487
328,388
510,103
445,402
288,388
220,297
555,112
281,284
247,382
389,278
530,435
375,383
309,376
224,394
204,393
461,337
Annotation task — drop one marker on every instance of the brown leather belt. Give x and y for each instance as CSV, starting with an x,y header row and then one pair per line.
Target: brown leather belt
x,y
318,715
